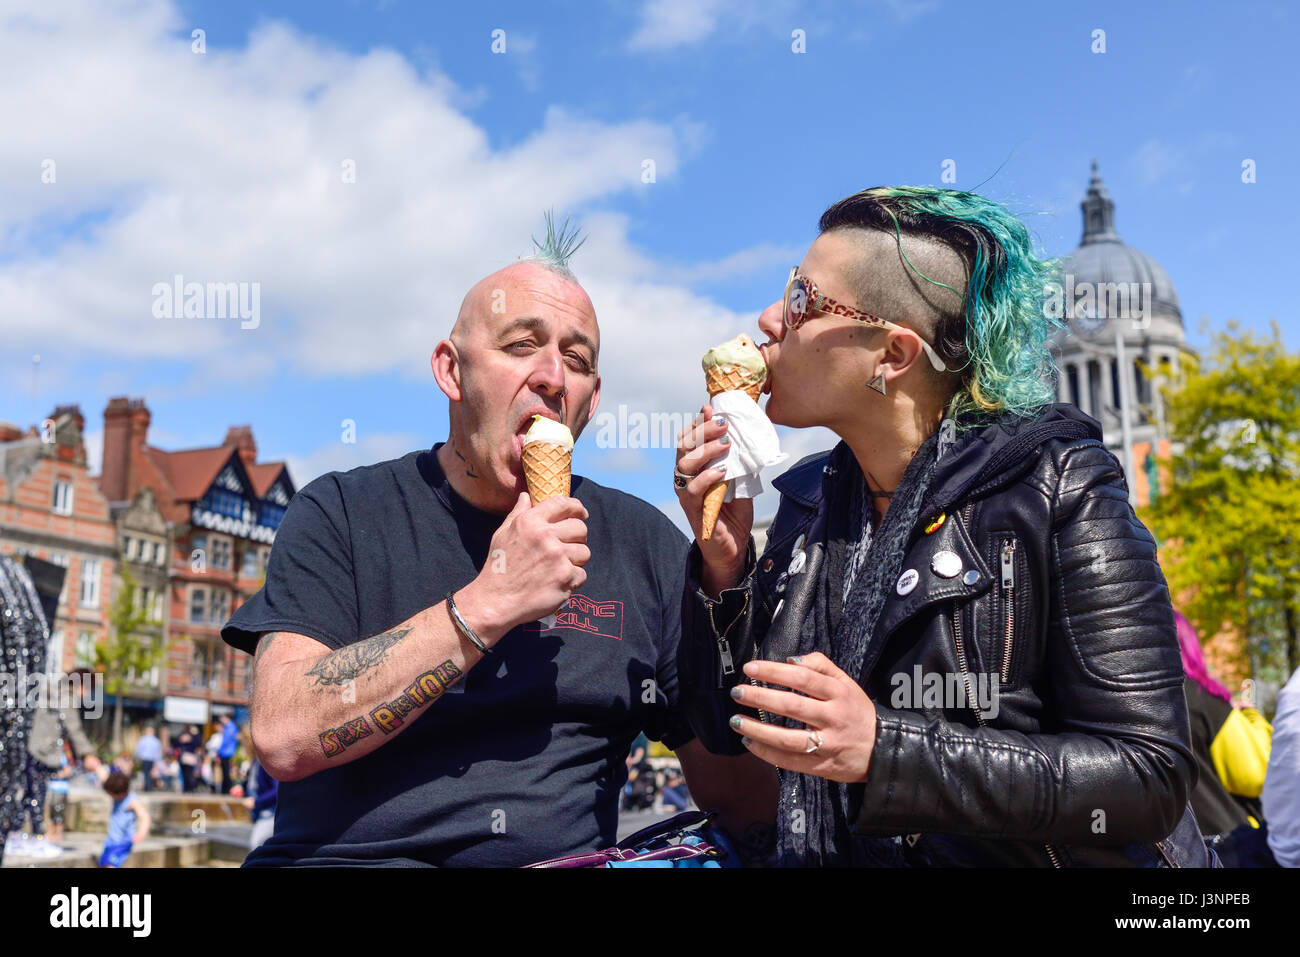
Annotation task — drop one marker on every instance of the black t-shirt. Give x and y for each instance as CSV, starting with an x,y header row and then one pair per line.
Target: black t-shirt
x,y
523,758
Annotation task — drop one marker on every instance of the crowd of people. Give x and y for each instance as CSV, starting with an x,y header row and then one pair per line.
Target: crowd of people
x,y
60,756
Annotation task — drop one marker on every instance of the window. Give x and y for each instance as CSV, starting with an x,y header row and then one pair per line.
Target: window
x,y
58,558
249,568
265,554
270,514
85,649
219,609
198,556
160,553
149,678
200,665
90,583
131,547
220,552
198,604
63,497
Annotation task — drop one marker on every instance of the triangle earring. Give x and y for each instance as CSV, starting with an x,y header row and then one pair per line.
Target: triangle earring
x,y
878,383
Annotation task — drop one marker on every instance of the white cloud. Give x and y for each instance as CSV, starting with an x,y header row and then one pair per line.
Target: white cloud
x,y
664,25
228,167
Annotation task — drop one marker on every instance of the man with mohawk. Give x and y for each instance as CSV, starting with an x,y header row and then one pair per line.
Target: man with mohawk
x,y
447,673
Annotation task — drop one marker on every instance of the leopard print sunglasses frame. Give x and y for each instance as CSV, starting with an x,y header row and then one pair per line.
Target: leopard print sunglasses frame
x,y
802,298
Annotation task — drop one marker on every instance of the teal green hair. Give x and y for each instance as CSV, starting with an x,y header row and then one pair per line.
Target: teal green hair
x,y
558,246
998,338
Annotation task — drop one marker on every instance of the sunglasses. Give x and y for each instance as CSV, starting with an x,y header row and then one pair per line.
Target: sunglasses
x,y
802,298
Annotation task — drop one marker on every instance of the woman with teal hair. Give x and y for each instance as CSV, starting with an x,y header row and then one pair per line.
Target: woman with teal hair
x,y
957,647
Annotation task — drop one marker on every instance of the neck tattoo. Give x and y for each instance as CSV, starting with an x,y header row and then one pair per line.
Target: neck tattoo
x,y
469,469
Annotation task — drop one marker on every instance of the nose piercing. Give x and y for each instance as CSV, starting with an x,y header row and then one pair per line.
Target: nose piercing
x,y
562,392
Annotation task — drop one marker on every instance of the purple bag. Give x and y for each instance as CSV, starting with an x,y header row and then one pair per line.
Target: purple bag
x,y
654,844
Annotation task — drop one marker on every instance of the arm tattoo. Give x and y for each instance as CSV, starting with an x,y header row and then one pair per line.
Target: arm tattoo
x,y
425,689
341,666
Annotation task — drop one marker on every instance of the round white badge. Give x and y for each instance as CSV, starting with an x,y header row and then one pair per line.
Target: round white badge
x,y
946,564
907,581
798,562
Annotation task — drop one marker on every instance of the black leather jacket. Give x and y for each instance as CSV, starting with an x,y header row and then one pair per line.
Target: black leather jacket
x,y
1057,602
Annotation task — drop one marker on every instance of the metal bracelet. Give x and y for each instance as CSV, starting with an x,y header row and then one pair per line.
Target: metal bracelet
x,y
464,627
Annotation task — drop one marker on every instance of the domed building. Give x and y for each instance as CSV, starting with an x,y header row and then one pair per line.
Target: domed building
x,y
1117,299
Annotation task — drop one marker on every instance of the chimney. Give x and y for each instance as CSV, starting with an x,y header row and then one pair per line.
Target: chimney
x,y
69,426
126,425
241,436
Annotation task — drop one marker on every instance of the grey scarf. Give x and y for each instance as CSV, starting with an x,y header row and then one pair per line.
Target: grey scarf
x,y
860,568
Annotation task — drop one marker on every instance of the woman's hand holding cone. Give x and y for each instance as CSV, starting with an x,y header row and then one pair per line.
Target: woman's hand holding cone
x,y
724,553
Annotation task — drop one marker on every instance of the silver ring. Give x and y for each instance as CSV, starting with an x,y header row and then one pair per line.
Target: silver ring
x,y
680,480
815,742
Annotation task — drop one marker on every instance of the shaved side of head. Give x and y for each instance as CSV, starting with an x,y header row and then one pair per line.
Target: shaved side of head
x,y
886,286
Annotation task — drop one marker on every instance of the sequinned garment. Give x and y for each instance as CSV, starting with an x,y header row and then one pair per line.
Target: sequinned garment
x,y
23,637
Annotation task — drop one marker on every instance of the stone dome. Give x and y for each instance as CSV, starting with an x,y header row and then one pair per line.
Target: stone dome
x,y
1102,258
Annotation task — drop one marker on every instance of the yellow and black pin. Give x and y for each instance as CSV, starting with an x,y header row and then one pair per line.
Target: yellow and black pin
x,y
934,525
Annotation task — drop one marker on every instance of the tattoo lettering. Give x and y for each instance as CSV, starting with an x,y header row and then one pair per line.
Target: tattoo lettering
x,y
340,667
336,740
426,688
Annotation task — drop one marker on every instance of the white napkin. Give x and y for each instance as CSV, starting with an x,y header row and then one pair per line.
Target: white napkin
x,y
754,443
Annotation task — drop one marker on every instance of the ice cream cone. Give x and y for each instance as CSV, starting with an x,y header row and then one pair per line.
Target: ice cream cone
x,y
547,470
718,380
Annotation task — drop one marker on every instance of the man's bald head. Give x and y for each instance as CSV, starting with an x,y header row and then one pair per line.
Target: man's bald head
x,y
489,297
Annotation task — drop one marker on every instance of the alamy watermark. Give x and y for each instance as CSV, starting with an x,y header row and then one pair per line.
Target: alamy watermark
x,y
641,430
1090,304
917,690
179,299
58,690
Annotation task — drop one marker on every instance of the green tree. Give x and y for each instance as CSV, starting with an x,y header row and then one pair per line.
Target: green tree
x,y
124,656
1235,498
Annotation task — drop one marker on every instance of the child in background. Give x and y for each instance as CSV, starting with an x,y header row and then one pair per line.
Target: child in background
x,y
127,824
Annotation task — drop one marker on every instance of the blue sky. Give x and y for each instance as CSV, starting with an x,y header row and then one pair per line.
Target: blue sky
x,y
225,166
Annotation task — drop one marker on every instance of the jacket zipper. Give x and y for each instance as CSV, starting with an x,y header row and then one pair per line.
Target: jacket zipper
x,y
1009,598
1008,580
724,649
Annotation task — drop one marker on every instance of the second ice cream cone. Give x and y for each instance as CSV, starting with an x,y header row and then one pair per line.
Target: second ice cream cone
x,y
547,470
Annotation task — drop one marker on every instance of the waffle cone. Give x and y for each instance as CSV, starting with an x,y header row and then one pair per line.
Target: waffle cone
x,y
546,470
719,380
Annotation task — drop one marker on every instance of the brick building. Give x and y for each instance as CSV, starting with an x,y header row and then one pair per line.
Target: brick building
x,y
51,507
222,508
